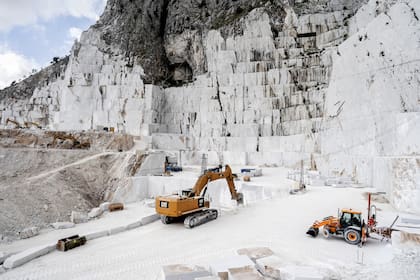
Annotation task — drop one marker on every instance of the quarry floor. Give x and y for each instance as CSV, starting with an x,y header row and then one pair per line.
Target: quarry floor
x,y
279,223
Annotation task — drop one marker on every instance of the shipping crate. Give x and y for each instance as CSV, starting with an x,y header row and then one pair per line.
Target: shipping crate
x,y
71,242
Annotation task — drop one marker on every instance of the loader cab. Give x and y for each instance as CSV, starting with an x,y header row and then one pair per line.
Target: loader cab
x,y
350,218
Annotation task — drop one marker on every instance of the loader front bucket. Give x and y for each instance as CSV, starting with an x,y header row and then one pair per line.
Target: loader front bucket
x,y
313,232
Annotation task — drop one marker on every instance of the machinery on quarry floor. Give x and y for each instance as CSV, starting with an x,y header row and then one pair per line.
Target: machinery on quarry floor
x,y
351,226
171,165
25,124
29,124
76,144
301,187
17,125
347,224
191,206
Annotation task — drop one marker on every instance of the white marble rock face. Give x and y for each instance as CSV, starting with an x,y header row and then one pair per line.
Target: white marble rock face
x,y
346,97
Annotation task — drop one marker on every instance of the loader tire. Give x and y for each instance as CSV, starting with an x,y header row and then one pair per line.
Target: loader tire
x,y
352,236
326,233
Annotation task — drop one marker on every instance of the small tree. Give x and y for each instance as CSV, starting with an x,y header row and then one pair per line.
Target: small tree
x,y
55,60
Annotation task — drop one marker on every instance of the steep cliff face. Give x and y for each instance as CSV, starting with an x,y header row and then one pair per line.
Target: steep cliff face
x,y
372,126
263,82
26,88
135,30
163,36
17,96
159,43
249,82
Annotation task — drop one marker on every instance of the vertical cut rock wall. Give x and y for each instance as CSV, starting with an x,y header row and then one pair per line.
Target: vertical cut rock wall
x,y
248,82
372,118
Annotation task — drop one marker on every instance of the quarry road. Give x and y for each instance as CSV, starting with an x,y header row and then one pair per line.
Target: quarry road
x,y
279,223
81,161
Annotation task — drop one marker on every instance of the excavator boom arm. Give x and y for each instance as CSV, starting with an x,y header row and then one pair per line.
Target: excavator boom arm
x,y
28,124
212,176
194,207
13,122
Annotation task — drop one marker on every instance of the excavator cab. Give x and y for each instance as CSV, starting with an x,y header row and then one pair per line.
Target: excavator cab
x,y
187,193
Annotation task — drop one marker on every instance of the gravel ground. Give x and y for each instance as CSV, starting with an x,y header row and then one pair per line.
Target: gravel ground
x,y
279,223
39,187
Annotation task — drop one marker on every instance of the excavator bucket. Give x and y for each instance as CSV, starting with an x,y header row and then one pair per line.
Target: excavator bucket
x,y
240,199
313,232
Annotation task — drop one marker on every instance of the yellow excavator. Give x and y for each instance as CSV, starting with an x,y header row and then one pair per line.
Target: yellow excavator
x,y
17,125
29,124
191,206
75,143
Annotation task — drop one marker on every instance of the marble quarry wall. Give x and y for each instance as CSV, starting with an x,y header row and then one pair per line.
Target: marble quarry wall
x,y
336,88
372,127
96,90
263,96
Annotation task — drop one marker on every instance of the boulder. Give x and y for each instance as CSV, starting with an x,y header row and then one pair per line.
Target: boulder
x,y
78,217
133,225
221,267
28,232
256,253
95,235
149,219
28,255
63,225
183,272
3,257
95,212
244,273
116,230
270,266
104,206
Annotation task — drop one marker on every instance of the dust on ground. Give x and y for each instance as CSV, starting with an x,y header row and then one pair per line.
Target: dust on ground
x,y
42,183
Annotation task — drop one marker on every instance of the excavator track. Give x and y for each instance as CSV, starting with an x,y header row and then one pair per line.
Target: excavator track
x,y
200,218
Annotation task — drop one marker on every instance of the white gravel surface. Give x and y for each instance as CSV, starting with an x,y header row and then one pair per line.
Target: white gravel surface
x,y
279,223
